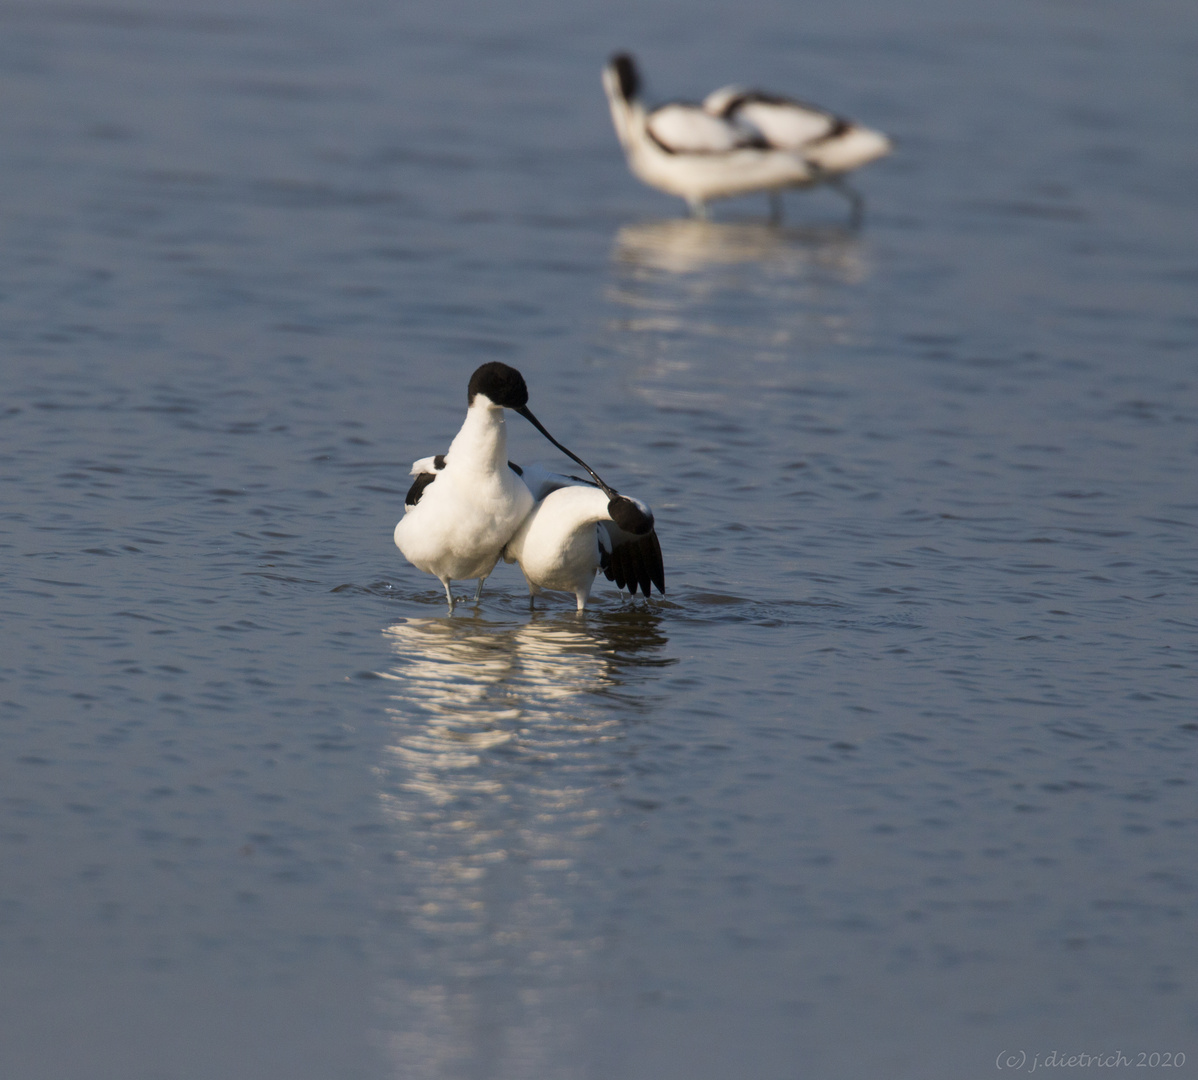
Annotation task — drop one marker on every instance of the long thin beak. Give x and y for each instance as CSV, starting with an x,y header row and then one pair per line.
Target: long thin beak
x,y
526,412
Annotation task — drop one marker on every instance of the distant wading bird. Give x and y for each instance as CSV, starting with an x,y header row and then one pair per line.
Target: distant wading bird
x,y
737,142
578,528
466,504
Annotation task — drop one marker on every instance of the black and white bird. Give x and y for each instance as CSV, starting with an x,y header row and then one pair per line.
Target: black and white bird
x,y
831,142
736,142
576,529
467,503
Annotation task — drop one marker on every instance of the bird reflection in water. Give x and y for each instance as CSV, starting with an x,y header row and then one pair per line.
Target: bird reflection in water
x,y
687,246
499,775
718,316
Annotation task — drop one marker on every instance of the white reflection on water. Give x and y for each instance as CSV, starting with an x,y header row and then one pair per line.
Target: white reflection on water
x,y
499,773
708,309
687,246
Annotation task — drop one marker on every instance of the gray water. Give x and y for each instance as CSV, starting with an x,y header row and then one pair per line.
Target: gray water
x,y
898,779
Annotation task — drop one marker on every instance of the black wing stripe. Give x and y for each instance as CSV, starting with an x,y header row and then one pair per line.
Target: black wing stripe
x,y
664,145
417,489
837,127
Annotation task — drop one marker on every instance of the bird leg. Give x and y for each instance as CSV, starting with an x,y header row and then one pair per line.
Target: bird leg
x,y
856,201
698,209
448,594
479,591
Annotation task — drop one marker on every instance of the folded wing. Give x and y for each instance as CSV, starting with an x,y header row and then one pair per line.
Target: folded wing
x,y
688,129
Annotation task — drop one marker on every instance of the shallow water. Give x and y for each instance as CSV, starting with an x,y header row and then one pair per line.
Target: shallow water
x,y
897,779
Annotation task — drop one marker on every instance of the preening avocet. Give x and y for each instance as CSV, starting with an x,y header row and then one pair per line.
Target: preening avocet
x,y
578,528
738,141
465,504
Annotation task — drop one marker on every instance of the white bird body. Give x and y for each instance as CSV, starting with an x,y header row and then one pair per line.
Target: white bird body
x,y
830,142
559,549
576,529
466,504
690,129
459,524
684,151
737,142
793,128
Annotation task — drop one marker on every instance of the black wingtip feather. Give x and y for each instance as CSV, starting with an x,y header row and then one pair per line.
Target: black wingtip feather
x,y
657,568
637,564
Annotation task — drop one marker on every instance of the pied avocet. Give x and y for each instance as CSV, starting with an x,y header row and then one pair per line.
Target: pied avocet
x,y
578,528
738,141
466,504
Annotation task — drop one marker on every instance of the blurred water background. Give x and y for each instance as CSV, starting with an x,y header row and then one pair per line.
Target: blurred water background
x,y
897,779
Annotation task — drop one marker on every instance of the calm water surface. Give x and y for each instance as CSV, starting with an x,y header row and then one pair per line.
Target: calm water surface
x,y
897,779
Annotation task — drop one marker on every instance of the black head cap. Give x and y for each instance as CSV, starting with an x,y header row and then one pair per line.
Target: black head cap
x,y
630,517
502,384
625,69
